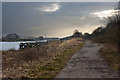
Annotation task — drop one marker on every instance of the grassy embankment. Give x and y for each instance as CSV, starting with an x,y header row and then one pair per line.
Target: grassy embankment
x,y
110,53
44,61
109,35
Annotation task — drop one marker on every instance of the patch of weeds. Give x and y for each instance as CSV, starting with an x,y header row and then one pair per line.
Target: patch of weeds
x,y
53,67
111,57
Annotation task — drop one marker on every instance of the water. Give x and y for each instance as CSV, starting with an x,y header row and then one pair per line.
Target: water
x,y
14,45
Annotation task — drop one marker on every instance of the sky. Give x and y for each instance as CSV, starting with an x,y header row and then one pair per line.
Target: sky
x,y
59,0
53,19
0,20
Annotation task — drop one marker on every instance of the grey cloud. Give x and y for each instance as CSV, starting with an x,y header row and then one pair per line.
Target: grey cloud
x,y
25,19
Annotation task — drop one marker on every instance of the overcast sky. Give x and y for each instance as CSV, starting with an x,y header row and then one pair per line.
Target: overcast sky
x,y
60,0
0,20
55,19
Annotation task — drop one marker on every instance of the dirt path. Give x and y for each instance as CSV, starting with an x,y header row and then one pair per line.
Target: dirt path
x,y
87,63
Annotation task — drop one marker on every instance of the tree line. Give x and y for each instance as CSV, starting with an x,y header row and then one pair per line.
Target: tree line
x,y
109,33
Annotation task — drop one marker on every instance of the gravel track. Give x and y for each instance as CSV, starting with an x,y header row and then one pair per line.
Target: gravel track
x,y
87,63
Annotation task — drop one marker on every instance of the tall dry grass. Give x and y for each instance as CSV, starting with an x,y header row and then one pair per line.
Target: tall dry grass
x,y
18,64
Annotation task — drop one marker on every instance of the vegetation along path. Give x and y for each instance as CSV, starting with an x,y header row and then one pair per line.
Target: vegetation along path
x,y
87,63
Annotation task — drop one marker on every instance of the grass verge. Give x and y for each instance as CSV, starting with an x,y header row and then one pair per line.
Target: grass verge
x,y
110,54
54,66
44,61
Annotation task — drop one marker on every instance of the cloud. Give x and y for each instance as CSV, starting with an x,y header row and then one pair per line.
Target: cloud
x,y
105,13
50,8
83,18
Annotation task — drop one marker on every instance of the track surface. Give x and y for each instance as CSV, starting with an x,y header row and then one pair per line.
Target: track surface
x,y
87,63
